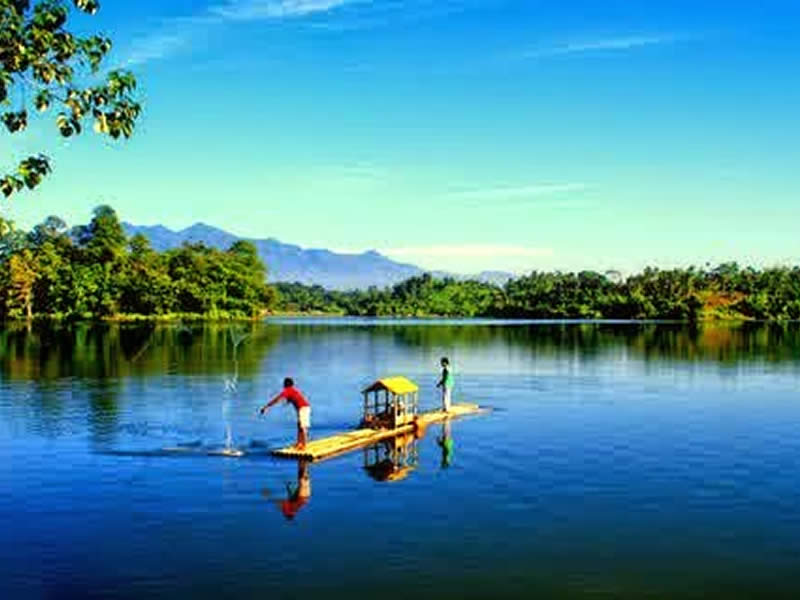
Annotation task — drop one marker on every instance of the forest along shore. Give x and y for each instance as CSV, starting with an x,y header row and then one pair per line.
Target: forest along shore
x,y
727,292
95,272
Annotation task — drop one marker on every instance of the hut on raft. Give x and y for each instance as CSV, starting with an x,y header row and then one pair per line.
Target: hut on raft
x,y
390,408
390,403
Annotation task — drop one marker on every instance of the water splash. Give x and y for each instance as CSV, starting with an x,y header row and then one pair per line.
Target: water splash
x,y
232,387
228,437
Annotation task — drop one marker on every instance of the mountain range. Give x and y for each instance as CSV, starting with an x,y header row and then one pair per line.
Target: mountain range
x,y
289,263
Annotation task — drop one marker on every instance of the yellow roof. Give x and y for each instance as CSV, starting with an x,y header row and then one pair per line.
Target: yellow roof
x,y
396,385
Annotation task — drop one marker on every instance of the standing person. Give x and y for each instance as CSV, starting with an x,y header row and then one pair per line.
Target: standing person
x,y
446,383
293,396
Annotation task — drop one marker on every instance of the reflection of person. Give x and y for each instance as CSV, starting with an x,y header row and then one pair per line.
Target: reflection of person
x,y
446,444
293,396
446,383
298,497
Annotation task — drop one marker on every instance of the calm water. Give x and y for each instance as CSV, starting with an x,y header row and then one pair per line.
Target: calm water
x,y
621,460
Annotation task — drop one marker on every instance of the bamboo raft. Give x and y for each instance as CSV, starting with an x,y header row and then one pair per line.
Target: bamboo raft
x,y
335,445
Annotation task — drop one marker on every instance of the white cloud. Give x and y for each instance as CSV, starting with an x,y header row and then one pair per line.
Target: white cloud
x,y
178,33
252,10
619,43
473,258
483,251
155,47
517,192
361,171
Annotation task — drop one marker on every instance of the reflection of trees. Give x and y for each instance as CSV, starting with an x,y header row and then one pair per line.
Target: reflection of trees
x,y
715,343
98,351
135,341
50,351
103,354
724,343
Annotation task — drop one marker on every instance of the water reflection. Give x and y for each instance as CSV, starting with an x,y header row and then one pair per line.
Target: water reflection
x,y
392,459
103,413
135,341
53,351
49,351
447,445
643,457
298,493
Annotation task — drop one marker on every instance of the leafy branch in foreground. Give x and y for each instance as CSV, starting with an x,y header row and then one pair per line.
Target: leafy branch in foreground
x,y
42,63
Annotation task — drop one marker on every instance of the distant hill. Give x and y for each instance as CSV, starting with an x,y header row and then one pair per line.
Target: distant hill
x,y
286,262
496,277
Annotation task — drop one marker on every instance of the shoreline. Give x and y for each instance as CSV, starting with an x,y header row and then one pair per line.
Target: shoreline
x,y
266,316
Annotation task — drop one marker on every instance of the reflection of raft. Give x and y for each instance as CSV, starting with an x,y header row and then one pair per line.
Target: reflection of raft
x,y
390,409
386,470
393,459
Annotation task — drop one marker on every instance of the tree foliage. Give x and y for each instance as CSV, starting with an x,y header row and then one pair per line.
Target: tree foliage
x,y
727,291
43,65
95,271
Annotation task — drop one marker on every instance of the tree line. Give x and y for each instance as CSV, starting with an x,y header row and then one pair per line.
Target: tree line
x,y
727,291
94,271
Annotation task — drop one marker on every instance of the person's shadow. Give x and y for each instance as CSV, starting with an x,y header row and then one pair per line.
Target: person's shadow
x,y
297,495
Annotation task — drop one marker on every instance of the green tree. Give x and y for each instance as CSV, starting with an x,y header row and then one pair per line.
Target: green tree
x,y
43,64
52,228
145,285
103,253
246,286
103,239
11,239
55,253
21,279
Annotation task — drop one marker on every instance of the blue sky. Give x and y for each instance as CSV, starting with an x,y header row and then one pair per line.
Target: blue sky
x,y
455,134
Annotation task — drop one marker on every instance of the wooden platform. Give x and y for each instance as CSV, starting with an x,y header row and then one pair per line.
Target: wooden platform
x,y
358,438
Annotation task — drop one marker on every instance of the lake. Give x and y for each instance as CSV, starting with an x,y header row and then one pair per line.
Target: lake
x,y
620,460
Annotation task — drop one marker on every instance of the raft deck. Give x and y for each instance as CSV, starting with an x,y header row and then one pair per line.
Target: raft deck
x,y
351,440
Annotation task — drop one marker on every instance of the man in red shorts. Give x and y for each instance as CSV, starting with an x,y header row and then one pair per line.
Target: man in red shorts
x,y
293,396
